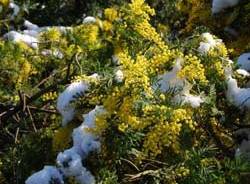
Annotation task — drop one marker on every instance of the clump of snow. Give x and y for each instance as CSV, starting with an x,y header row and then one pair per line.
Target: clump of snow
x,y
85,178
239,97
119,76
219,5
184,97
70,163
84,141
244,61
208,43
170,80
62,29
30,26
115,60
31,33
48,175
56,53
243,149
243,72
18,37
89,19
64,105
243,140
16,10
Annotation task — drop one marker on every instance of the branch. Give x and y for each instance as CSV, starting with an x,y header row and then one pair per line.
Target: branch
x,y
13,110
134,177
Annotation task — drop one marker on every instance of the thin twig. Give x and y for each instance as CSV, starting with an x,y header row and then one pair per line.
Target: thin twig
x,y
47,78
131,163
134,177
32,120
17,132
9,113
43,110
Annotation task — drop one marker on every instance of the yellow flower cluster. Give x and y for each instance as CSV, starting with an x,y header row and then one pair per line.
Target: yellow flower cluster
x,y
152,114
182,171
219,50
87,34
193,69
139,8
24,73
164,134
50,96
85,78
107,25
197,12
5,3
160,122
145,29
161,58
136,74
101,124
52,34
121,100
62,137
139,15
184,115
111,14
219,68
167,126
25,47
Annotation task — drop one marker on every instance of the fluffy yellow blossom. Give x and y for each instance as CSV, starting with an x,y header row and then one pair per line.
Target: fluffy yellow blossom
x,y
53,34
107,26
182,171
220,50
110,14
62,137
50,96
87,34
193,69
4,3
135,73
148,32
25,47
24,73
101,123
163,135
122,127
139,8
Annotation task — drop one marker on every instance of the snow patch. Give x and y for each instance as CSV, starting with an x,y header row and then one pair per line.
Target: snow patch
x,y
119,76
18,37
244,61
170,80
16,10
89,19
243,72
208,43
239,97
219,5
48,175
64,105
